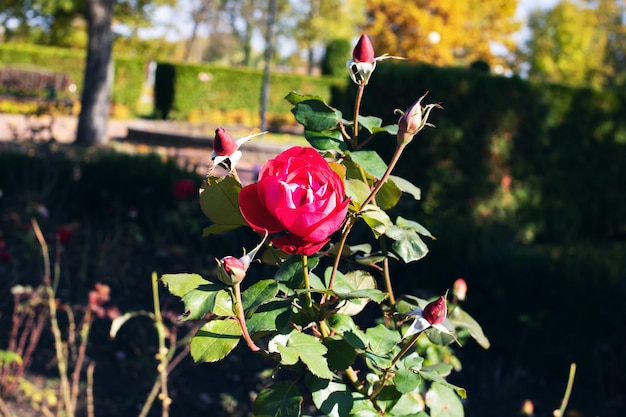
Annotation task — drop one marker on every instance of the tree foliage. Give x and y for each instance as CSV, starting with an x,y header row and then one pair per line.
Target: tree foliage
x,y
442,32
578,43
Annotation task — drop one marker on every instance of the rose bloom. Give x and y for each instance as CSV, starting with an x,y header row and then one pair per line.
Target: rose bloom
x,y
297,196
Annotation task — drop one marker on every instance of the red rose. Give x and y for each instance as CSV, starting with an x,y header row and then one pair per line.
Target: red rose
x,y
298,194
184,189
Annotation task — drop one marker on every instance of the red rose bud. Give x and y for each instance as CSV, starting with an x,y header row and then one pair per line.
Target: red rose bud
x,y
459,289
185,189
64,235
435,312
231,270
363,51
224,144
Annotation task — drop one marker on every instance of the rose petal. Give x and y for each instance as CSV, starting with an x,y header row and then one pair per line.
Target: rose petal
x,y
295,245
255,213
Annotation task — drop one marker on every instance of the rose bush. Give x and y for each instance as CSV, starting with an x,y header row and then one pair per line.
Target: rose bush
x,y
299,197
305,316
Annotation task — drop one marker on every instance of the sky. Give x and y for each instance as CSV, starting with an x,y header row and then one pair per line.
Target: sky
x,y
164,17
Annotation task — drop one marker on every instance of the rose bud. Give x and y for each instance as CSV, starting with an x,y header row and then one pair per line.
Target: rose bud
x,y
64,235
224,144
231,270
363,51
185,189
459,289
435,312
414,120
433,315
226,151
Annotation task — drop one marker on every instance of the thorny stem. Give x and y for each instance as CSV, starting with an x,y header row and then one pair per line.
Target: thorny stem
x,y
241,318
173,362
163,350
58,341
400,354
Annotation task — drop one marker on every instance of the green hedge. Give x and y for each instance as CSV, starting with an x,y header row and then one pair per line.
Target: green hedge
x,y
128,77
182,89
561,148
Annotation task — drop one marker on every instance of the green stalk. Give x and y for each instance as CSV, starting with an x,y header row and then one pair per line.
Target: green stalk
x,y
357,107
163,350
308,302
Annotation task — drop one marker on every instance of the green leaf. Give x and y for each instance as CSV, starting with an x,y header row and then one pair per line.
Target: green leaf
x,y
294,97
388,196
413,225
459,318
271,316
377,220
316,115
381,339
388,398
406,380
354,285
439,380
201,301
219,201
370,162
309,349
358,191
326,140
406,186
118,322
281,399
217,229
362,406
292,268
443,402
407,244
223,304
340,354
370,122
258,294
215,340
333,399
181,284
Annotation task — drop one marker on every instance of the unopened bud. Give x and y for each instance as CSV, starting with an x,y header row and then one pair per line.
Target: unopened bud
x,y
231,270
363,51
224,144
459,289
414,120
435,312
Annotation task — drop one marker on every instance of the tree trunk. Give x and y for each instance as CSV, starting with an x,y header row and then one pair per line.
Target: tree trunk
x,y
269,44
96,95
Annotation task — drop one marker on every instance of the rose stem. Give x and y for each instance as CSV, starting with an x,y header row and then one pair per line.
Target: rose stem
x,y
357,106
241,319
